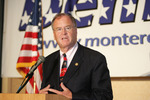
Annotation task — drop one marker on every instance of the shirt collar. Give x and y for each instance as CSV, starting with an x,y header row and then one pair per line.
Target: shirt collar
x,y
68,53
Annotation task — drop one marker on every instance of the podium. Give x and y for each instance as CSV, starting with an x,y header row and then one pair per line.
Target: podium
x,y
9,96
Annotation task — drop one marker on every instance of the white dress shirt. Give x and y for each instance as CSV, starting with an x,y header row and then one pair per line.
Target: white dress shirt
x,y
70,54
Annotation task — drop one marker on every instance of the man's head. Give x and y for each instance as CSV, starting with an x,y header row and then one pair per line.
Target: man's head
x,y
65,30
64,14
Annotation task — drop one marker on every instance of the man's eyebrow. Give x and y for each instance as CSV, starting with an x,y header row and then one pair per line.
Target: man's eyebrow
x,y
65,26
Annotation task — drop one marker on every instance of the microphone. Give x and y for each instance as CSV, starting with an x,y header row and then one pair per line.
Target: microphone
x,y
41,59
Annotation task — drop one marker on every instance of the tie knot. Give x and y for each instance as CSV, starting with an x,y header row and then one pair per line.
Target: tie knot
x,y
64,55
65,58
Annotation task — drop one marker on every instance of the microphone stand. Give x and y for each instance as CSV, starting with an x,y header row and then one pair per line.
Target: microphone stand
x,y
25,81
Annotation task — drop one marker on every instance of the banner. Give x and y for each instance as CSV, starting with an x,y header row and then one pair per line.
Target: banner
x,y
119,29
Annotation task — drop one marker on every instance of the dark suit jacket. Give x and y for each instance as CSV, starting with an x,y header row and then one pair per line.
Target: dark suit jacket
x,y
87,76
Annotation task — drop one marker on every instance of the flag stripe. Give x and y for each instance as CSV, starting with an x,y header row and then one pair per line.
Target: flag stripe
x,y
31,34
30,41
27,59
30,88
29,47
40,72
31,28
38,79
28,53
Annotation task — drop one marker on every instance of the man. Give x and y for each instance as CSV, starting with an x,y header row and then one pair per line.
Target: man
x,y
87,75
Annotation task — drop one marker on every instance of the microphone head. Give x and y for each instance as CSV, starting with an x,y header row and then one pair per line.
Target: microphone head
x,y
41,58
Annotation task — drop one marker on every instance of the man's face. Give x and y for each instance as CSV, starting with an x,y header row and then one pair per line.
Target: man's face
x,y
65,33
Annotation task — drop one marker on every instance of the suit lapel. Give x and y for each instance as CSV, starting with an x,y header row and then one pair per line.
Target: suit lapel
x,y
55,71
75,64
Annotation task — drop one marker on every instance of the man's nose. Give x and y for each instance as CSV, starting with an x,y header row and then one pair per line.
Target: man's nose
x,y
64,31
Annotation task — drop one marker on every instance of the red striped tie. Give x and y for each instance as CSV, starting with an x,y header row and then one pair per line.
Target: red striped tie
x,y
64,68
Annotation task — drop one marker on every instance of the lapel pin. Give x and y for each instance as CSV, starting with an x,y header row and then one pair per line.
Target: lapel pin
x,y
76,64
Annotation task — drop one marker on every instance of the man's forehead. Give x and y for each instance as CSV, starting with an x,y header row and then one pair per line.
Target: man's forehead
x,y
66,20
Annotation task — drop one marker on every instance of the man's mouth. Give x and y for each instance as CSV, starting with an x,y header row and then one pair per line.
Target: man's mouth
x,y
64,38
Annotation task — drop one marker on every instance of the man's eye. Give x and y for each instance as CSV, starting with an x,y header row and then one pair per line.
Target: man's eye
x,y
58,29
68,28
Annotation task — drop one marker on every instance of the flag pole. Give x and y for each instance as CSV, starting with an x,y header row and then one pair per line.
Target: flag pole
x,y
34,84
42,30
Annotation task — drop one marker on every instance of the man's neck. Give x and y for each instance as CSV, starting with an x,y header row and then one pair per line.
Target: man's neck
x,y
66,49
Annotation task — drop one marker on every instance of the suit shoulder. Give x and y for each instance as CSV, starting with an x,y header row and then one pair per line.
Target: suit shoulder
x,y
92,52
53,55
92,56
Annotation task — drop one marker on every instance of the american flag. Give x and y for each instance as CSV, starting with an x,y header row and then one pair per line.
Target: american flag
x,y
32,48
